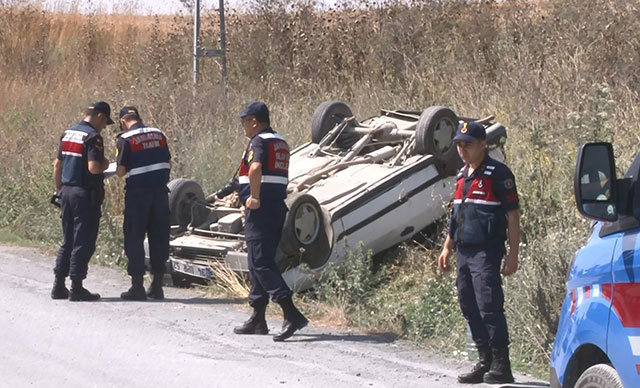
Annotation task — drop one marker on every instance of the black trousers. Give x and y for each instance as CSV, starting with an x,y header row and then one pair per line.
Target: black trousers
x,y
264,274
146,212
80,215
480,295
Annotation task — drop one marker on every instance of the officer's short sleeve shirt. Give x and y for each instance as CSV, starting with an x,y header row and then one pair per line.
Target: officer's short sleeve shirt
x,y
123,152
60,157
257,151
504,188
95,147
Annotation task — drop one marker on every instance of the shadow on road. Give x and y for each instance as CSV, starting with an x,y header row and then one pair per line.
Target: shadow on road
x,y
205,301
362,338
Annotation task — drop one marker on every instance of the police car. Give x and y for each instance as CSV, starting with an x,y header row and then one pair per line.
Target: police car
x,y
598,338
371,183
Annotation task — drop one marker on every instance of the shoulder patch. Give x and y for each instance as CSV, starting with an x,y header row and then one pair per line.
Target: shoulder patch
x,y
250,156
508,184
99,144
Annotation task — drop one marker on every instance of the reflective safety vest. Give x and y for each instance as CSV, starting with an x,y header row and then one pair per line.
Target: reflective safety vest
x,y
148,163
75,167
478,217
270,149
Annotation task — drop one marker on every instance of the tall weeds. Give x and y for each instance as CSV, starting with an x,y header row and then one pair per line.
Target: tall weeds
x,y
556,73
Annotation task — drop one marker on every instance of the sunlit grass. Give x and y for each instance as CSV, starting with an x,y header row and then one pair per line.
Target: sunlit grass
x,y
556,73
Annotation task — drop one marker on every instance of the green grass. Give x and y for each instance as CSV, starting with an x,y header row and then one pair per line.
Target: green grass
x,y
7,237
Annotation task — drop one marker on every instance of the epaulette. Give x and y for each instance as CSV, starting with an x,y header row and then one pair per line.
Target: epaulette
x,y
488,169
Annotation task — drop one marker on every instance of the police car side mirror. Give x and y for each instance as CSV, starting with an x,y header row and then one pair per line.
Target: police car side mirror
x,y
595,183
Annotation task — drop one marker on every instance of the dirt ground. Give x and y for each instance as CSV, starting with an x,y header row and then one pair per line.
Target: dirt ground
x,y
184,341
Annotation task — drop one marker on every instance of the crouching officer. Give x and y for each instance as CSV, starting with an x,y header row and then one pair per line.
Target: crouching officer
x,y
143,156
79,184
263,179
485,207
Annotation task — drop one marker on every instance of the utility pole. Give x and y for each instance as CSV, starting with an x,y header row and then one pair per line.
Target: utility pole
x,y
208,52
196,43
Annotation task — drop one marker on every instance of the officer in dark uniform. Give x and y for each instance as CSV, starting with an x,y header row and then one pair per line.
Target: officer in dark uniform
x,y
263,179
143,156
485,214
78,179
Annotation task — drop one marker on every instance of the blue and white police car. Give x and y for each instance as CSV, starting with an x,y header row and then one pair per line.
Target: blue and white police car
x,y
598,339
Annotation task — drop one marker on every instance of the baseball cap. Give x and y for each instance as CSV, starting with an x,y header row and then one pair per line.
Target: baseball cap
x,y
470,131
256,109
102,107
128,110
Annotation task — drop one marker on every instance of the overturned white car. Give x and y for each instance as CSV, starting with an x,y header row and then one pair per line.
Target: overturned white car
x,y
376,182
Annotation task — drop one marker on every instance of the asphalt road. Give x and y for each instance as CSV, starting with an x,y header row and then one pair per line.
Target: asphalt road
x,y
184,341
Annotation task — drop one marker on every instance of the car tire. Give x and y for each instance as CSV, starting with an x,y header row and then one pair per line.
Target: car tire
x,y
434,135
182,195
599,376
307,236
325,118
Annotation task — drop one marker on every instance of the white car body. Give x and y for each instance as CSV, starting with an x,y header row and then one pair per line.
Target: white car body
x,y
376,200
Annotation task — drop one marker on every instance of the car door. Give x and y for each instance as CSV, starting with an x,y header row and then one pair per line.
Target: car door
x,y
623,339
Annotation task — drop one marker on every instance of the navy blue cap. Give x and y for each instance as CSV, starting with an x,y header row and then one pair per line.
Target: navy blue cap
x,y
102,107
129,110
470,131
256,109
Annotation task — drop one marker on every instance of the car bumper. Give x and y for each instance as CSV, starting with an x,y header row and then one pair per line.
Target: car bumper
x,y
297,279
203,268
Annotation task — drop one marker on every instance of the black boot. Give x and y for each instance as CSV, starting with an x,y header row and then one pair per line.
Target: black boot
x,y
59,290
80,294
257,324
293,320
155,291
500,372
477,373
136,292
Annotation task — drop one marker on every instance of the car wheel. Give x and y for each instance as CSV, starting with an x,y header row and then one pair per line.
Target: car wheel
x,y
434,135
326,116
306,235
599,376
183,193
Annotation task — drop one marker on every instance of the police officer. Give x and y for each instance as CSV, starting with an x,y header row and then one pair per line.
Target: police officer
x,y
485,214
78,179
263,178
143,156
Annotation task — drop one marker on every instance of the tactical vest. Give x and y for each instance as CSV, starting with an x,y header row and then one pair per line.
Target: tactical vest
x,y
149,159
275,171
75,167
478,217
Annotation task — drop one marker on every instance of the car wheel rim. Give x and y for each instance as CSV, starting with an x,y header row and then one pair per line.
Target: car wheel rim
x,y
443,135
185,206
307,223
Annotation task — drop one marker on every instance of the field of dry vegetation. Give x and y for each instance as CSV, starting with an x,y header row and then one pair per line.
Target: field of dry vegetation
x,y
557,73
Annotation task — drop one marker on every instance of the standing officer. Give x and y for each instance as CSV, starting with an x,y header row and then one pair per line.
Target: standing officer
x,y
78,179
485,207
263,179
143,156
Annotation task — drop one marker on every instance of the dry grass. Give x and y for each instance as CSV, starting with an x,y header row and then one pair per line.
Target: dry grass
x,y
557,73
229,282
